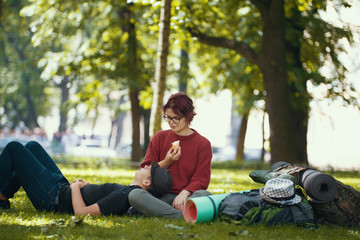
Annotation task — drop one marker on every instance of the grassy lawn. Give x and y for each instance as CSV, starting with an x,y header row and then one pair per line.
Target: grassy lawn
x,y
23,222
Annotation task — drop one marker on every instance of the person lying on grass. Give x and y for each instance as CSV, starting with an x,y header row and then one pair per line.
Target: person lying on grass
x,y
31,167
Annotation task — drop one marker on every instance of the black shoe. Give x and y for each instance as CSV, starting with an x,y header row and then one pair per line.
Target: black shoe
x,y
4,204
132,212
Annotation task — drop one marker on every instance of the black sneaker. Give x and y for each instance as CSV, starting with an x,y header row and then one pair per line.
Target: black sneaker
x,y
4,204
132,212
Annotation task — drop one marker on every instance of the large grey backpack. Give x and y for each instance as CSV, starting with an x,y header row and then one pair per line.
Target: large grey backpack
x,y
343,208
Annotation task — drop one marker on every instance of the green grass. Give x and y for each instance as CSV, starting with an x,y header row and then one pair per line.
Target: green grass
x,y
23,222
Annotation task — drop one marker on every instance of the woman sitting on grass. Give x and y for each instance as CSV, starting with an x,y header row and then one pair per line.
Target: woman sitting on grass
x,y
32,168
189,161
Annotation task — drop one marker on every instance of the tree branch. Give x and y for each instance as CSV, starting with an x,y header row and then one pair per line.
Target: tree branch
x,y
239,47
260,4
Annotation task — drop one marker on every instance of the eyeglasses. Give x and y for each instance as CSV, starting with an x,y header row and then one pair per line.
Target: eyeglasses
x,y
173,119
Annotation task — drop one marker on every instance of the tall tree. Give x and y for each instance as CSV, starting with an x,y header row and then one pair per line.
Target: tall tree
x,y
267,49
272,63
107,46
161,66
134,86
240,144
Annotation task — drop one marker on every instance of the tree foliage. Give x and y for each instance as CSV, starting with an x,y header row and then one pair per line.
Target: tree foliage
x,y
263,51
23,95
254,30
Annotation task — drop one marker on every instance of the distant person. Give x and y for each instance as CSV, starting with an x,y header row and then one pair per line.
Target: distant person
x,y
32,168
56,144
70,139
189,163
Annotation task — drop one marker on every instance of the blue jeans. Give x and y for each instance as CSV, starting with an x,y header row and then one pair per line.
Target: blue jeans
x,y
32,168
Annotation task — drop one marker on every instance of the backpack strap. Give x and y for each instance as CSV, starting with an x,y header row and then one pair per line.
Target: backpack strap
x,y
302,190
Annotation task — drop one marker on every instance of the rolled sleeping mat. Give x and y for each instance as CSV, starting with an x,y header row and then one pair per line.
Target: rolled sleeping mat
x,y
203,209
320,187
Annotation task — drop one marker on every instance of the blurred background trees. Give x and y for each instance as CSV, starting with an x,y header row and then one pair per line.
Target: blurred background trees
x,y
103,54
23,95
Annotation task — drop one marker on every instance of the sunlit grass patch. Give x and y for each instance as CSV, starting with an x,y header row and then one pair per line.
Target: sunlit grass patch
x,y
230,181
25,219
22,221
352,181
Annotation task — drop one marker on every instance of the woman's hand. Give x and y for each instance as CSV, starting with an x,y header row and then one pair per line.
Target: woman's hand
x,y
180,199
171,157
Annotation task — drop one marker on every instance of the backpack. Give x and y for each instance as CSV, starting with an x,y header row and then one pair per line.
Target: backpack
x,y
343,210
249,208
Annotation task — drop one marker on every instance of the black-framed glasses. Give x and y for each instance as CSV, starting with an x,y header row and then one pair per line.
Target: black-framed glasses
x,y
173,119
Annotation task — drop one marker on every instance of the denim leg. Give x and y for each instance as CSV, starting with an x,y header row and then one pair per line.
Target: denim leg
x,y
37,150
40,154
40,183
12,187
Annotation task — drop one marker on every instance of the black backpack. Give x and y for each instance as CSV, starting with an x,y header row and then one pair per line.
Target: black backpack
x,y
250,208
343,210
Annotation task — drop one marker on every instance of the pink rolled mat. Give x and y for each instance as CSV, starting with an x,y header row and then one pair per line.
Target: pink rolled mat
x,y
202,209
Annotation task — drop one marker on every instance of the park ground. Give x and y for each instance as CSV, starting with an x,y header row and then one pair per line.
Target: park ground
x,y
23,222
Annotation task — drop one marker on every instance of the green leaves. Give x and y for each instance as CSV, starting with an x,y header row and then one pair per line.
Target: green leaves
x,y
23,97
88,43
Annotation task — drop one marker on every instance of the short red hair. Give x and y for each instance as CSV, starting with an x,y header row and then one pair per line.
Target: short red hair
x,y
182,105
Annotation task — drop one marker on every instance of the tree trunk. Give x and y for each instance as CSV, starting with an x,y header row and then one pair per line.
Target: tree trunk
x,y
134,87
116,131
31,116
273,67
146,119
184,68
241,138
117,127
300,98
300,135
18,112
64,98
161,66
135,120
